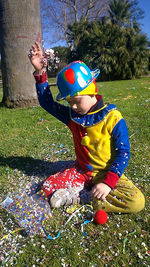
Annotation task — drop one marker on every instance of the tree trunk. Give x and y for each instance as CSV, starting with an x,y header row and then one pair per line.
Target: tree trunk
x,y
20,27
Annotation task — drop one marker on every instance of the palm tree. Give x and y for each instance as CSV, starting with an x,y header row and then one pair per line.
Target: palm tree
x,y
125,13
20,27
114,44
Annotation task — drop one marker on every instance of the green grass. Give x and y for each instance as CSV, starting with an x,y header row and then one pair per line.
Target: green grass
x,y
31,141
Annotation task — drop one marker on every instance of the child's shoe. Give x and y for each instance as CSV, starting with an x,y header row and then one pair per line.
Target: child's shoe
x,y
63,196
69,196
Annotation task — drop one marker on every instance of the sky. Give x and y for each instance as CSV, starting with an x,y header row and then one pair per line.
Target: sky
x,y
145,6
145,22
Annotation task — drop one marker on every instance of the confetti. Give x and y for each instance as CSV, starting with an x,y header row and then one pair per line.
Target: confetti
x,y
125,240
28,208
84,207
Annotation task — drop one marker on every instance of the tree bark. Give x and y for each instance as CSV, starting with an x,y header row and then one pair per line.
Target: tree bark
x,y
20,27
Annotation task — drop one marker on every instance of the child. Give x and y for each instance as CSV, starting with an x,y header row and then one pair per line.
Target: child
x,y
100,138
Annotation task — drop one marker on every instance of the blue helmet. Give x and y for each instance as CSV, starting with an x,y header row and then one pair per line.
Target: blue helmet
x,y
74,78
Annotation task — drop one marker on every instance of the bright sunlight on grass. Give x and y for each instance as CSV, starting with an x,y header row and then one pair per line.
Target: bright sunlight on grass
x,y
31,141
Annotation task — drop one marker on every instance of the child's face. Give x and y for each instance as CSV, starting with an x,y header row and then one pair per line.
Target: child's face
x,y
82,103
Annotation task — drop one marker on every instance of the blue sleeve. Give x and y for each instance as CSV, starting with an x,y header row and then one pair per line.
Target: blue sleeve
x,y
122,147
47,102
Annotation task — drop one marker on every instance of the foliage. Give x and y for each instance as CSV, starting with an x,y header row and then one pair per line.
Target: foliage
x,y
114,44
62,52
56,60
56,15
31,143
125,13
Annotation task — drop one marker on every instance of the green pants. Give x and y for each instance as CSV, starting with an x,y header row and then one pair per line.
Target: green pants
x,y
125,198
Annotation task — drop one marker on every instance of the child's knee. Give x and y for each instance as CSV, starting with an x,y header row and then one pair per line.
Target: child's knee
x,y
138,203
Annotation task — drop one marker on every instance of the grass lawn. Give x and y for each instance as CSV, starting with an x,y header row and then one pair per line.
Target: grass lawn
x,y
31,141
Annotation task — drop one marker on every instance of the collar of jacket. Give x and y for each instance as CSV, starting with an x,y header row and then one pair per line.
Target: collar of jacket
x,y
93,117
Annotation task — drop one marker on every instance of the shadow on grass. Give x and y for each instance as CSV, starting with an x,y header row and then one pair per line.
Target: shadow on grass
x,y
2,105
35,167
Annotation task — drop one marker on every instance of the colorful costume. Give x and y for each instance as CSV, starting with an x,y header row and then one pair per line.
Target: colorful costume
x,y
102,152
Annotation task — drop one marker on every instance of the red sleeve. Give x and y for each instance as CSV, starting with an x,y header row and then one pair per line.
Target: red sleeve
x,y
111,179
40,78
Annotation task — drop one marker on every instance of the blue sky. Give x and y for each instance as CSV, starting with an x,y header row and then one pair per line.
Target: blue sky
x,y
145,6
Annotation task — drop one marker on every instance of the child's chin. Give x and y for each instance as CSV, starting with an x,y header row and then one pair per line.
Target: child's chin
x,y
81,113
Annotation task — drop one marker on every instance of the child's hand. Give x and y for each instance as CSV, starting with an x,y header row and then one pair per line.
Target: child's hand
x,y
37,58
101,191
